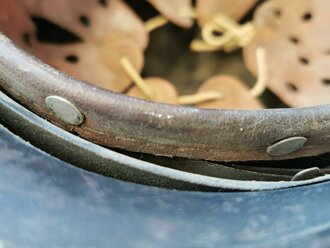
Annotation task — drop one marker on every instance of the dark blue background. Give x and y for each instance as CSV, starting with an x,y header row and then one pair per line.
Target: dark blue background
x,y
45,202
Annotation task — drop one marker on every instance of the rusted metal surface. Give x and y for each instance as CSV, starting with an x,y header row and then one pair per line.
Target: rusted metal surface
x,y
116,120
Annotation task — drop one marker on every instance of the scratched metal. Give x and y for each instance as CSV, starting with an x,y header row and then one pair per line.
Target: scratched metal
x,y
92,157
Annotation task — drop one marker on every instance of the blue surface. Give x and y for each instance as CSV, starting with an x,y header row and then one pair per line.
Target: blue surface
x,y
47,203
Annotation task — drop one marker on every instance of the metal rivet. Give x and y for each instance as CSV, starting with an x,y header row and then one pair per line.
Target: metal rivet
x,y
65,110
309,173
286,146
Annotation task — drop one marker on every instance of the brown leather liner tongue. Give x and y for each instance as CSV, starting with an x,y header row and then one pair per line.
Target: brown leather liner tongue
x,y
91,20
235,95
109,31
95,62
235,9
295,35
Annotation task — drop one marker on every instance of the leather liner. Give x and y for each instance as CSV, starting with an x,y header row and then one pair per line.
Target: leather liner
x,y
116,120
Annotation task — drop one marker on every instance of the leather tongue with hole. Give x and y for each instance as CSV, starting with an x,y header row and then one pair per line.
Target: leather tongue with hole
x,y
95,62
296,37
235,95
91,20
236,9
106,31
